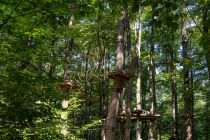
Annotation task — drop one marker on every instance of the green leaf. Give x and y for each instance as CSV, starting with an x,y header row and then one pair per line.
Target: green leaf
x,y
174,25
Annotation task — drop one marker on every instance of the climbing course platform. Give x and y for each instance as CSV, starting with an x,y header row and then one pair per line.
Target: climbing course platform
x,y
68,85
124,74
140,115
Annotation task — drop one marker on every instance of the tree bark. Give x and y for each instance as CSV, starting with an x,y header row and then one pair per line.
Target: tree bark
x,y
132,62
25,63
174,96
110,123
68,51
186,78
102,82
206,36
128,100
153,124
52,65
206,48
138,82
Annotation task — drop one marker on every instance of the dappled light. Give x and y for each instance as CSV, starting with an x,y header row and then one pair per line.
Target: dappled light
x,y
104,70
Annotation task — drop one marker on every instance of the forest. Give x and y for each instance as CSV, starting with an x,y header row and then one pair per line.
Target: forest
x,y
104,69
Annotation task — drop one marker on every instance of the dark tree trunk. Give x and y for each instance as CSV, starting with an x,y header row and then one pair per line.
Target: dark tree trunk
x,y
68,52
52,66
206,40
51,70
39,69
192,92
206,35
25,63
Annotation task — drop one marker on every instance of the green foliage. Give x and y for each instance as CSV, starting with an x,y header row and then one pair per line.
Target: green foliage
x,y
33,42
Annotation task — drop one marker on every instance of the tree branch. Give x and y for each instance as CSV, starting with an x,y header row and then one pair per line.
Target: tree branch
x,y
6,21
194,20
24,14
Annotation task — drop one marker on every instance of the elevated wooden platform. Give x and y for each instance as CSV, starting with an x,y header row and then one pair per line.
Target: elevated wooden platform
x,y
68,85
136,111
140,115
119,75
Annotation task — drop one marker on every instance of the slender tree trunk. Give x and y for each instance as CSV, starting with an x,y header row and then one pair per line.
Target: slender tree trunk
x,y
68,51
206,36
52,55
144,87
138,82
51,70
101,67
192,92
110,123
128,100
186,78
174,96
64,114
153,124
25,63
102,82
39,69
138,103
206,48
132,62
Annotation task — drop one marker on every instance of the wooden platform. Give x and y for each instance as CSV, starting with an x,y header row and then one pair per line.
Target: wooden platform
x,y
140,115
68,85
119,75
136,111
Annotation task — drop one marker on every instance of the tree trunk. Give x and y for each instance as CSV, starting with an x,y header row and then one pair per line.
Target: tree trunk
x,y
174,96
68,57
207,55
25,63
153,124
138,82
206,36
39,69
192,92
110,123
138,104
186,78
102,71
51,70
132,62
68,51
52,66
64,114
128,100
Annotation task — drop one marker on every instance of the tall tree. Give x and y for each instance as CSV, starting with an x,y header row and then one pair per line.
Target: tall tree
x,y
66,77
132,62
110,122
138,29
205,43
152,131
174,94
186,79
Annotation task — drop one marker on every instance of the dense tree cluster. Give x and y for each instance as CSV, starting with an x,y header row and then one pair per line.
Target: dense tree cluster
x,y
68,68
